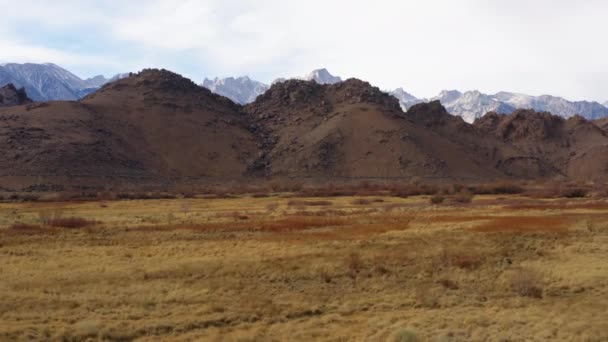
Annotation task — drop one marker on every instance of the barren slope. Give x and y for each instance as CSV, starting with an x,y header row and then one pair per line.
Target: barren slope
x,y
351,130
155,125
574,147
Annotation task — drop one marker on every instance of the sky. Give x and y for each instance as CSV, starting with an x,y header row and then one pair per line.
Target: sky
x,y
556,47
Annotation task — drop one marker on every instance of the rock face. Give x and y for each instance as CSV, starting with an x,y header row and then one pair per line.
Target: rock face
x,y
11,96
349,130
573,147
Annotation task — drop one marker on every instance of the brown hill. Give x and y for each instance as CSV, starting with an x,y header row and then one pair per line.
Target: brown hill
x,y
571,147
11,96
153,126
351,130
157,127
602,123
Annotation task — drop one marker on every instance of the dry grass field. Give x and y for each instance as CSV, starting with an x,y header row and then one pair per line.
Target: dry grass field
x,y
502,268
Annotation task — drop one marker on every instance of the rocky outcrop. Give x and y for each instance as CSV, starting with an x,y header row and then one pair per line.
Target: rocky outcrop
x,y
11,96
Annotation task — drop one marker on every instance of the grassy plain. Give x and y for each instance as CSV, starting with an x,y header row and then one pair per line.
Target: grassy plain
x,y
502,268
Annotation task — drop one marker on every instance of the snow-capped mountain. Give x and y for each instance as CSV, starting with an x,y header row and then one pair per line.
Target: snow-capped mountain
x,y
405,99
46,82
322,76
556,105
244,90
241,90
471,105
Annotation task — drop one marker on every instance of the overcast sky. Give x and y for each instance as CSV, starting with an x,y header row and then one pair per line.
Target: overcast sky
x,y
537,47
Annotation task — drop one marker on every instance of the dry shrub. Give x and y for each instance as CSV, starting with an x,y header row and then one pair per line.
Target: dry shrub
x,y
48,216
464,197
404,335
260,195
525,223
559,190
456,258
301,223
354,264
437,199
364,201
239,216
500,188
327,191
302,203
574,193
144,196
449,284
71,222
271,207
527,283
412,189
25,228
466,261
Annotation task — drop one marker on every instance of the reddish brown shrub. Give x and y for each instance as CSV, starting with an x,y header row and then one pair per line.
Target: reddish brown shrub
x,y
437,199
71,222
462,197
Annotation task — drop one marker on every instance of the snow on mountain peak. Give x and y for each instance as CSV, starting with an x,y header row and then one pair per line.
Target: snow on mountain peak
x,y
241,90
322,76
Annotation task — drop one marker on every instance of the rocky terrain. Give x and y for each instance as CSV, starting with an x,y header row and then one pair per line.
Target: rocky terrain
x,y
11,96
159,127
573,147
244,90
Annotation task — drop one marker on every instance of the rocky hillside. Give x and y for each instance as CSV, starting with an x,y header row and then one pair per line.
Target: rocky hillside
x,y
350,130
157,127
11,96
573,147
153,126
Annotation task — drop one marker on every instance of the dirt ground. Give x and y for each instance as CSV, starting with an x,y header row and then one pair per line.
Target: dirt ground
x,y
503,268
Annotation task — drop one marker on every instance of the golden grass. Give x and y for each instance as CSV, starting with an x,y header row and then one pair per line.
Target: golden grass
x,y
197,269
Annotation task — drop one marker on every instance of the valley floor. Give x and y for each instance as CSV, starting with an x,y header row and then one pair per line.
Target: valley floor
x,y
503,268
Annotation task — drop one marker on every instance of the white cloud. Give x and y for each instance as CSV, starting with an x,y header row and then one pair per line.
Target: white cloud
x,y
527,46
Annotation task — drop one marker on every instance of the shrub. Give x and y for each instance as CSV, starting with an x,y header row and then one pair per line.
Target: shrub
x,y
527,283
301,203
354,264
25,227
71,222
437,199
463,197
574,193
405,335
503,188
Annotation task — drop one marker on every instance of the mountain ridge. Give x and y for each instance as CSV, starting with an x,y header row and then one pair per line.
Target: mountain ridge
x,y
49,82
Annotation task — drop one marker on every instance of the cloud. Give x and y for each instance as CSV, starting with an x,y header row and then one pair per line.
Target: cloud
x,y
528,46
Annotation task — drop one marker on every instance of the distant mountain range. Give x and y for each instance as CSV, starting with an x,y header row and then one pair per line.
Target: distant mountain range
x,y
472,105
45,82
157,129
469,105
244,90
